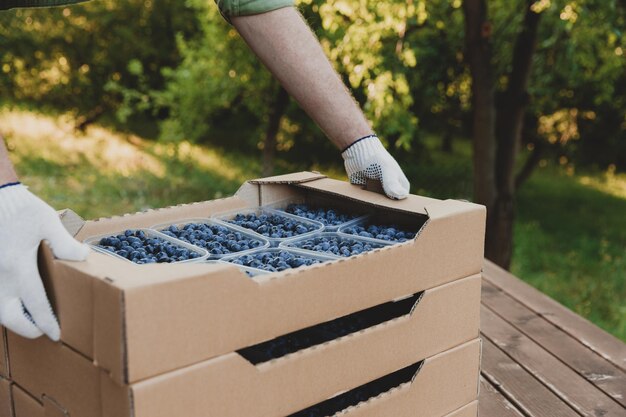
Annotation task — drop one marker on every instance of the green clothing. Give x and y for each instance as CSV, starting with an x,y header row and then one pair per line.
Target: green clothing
x,y
228,8
234,8
10,4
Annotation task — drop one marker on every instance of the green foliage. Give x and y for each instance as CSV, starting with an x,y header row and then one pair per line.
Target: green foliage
x,y
64,57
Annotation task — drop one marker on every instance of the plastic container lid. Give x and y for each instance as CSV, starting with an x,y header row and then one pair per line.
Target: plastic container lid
x,y
94,241
366,222
247,233
301,253
274,241
298,242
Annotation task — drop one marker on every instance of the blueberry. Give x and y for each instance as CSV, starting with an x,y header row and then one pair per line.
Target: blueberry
x,y
277,260
328,217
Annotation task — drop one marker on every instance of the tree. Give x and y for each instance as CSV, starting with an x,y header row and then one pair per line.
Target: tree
x,y
496,134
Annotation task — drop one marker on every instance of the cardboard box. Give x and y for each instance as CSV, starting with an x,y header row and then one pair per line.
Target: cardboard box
x,y
443,317
442,384
470,410
139,322
6,405
28,406
4,358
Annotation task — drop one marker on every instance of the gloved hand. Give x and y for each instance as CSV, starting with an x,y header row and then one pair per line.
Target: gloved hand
x,y
25,221
367,158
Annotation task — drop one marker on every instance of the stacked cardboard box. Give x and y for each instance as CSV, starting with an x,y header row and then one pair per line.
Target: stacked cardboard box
x,y
165,340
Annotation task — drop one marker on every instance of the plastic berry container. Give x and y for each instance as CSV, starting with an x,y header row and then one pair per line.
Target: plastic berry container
x,y
266,267
329,225
310,227
94,243
262,242
316,244
360,229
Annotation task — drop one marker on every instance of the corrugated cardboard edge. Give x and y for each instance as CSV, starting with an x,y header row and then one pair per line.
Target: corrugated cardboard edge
x,y
294,178
6,402
71,221
5,371
469,410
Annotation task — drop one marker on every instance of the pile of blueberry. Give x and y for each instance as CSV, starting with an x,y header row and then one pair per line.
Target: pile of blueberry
x,y
326,217
274,261
390,233
273,226
216,239
336,245
139,248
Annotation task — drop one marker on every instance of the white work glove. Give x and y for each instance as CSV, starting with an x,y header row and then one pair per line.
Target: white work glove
x,y
367,158
25,221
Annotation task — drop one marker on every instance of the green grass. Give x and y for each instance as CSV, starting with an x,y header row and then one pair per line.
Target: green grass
x,y
570,231
570,243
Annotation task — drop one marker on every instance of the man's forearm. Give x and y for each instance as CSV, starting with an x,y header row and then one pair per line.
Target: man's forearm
x,y
286,45
7,172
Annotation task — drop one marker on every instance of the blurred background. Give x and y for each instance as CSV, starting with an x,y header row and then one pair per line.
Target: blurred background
x,y
115,106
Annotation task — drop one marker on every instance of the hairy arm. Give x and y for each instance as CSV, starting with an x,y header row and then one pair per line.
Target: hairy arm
x,y
7,172
287,46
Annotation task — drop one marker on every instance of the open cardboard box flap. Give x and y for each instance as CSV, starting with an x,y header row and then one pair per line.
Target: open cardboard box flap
x,y
138,322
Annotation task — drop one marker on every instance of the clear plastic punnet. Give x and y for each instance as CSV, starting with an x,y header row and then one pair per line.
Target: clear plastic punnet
x,y
292,259
379,231
320,211
334,244
94,242
212,244
265,228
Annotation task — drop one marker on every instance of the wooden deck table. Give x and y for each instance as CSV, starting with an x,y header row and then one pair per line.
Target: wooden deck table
x,y
541,359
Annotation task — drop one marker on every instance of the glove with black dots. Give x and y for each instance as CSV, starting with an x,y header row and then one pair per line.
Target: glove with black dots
x,y
26,220
367,158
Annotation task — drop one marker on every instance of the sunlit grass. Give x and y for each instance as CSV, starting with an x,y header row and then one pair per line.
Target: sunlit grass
x,y
101,172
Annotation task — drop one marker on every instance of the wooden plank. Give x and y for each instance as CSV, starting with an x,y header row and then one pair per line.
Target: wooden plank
x,y
587,333
580,394
520,387
598,371
493,404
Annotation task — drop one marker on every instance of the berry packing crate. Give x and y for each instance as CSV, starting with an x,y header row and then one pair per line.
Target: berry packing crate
x,y
93,242
139,323
322,257
228,386
298,242
225,218
181,223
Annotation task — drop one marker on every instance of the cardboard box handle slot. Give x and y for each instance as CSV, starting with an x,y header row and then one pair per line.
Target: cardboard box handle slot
x,y
363,393
330,330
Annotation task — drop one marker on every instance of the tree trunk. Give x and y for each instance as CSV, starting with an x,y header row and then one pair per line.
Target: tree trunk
x,y
478,52
269,143
446,141
497,134
510,120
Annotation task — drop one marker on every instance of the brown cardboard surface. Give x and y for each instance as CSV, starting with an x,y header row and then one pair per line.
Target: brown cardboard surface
x,y
6,409
470,410
429,394
444,383
138,322
4,358
26,405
